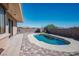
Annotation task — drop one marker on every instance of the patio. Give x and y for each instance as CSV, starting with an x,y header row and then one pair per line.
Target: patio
x,y
21,46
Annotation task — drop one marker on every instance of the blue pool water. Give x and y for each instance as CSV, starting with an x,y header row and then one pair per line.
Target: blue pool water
x,y
51,40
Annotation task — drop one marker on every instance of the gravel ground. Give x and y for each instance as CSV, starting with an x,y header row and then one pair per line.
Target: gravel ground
x,y
30,49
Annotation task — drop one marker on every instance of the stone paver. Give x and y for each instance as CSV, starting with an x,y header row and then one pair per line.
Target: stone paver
x,y
20,45
14,46
30,49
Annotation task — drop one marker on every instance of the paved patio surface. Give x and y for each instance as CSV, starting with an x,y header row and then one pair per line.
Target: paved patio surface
x,y
30,49
21,46
14,46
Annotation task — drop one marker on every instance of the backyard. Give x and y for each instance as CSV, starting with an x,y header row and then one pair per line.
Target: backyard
x,y
45,30
26,48
31,49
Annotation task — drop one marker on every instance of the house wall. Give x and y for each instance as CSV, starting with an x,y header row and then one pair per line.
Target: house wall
x,y
12,12
15,11
14,27
14,23
4,38
4,5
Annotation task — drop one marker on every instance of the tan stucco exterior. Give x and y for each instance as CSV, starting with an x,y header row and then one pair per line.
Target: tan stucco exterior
x,y
5,5
14,10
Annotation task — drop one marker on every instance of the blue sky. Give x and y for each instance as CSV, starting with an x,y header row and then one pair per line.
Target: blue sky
x,y
42,14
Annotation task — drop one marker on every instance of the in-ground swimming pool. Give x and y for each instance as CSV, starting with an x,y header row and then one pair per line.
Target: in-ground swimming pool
x,y
54,42
51,39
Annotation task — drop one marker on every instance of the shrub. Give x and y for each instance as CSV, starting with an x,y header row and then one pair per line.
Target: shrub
x,y
37,30
66,32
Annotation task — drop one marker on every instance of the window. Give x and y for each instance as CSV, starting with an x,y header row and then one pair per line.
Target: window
x,y
2,26
10,26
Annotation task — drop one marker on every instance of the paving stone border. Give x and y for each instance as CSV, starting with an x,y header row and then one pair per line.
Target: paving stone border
x,y
30,49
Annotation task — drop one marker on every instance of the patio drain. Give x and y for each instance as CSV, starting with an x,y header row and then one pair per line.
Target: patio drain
x,y
1,50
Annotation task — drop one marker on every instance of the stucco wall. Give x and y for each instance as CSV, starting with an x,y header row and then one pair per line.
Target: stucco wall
x,y
14,30
14,11
14,27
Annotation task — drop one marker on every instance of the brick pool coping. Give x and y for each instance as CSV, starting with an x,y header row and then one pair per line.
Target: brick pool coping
x,y
72,47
